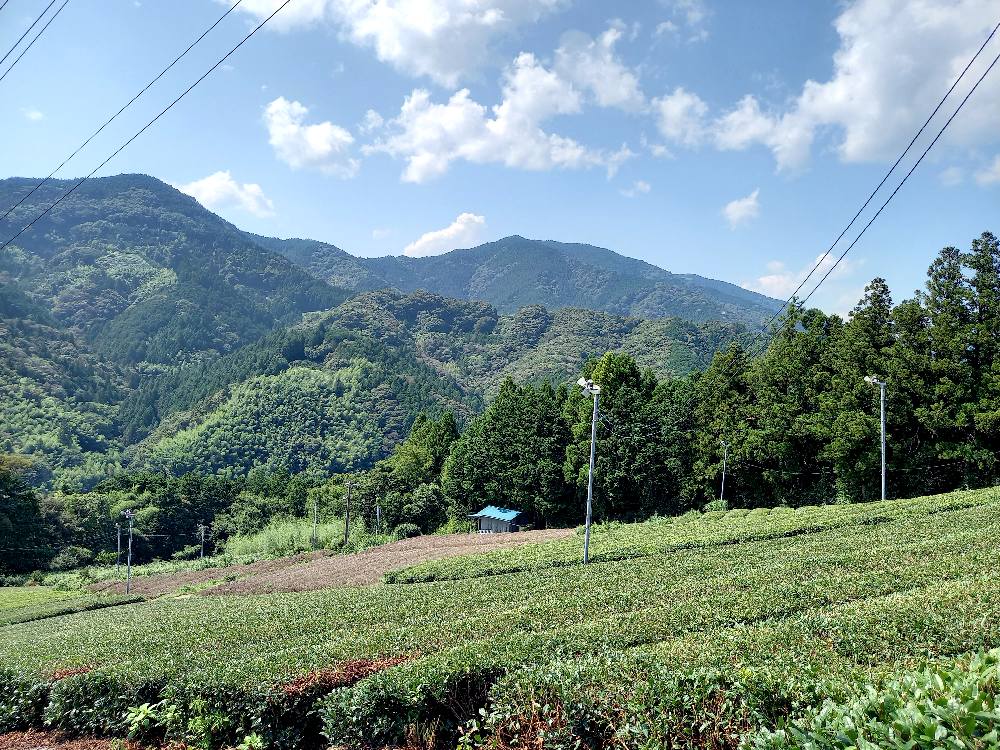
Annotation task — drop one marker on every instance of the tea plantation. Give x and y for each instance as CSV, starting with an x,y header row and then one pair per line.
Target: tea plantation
x,y
780,628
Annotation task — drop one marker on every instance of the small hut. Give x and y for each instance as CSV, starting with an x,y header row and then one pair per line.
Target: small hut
x,y
493,520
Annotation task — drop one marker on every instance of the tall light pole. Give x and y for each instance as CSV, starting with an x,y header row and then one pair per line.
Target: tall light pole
x,y
725,459
591,389
872,380
129,514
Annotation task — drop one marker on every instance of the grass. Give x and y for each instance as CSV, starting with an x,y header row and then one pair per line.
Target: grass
x,y
794,603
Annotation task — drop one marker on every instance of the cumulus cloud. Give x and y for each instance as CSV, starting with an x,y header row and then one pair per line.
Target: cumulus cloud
x,y
989,175
465,231
742,210
323,146
688,17
592,65
680,117
894,61
639,187
429,136
219,191
446,40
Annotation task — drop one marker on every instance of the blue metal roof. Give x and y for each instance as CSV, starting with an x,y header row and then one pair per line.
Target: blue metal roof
x,y
500,514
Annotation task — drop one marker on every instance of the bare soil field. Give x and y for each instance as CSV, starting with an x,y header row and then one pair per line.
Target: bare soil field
x,y
35,740
369,566
168,583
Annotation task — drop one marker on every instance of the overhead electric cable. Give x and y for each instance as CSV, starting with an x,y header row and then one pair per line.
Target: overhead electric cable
x,y
765,328
120,111
26,32
149,124
33,40
903,182
4,4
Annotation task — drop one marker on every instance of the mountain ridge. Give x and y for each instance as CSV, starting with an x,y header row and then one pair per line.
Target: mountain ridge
x,y
516,271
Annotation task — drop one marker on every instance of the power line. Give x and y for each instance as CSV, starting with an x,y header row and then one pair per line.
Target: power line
x,y
26,32
120,111
145,127
33,40
4,4
903,182
765,328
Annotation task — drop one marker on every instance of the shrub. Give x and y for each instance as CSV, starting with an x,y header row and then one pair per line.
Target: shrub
x,y
186,553
71,557
945,706
406,531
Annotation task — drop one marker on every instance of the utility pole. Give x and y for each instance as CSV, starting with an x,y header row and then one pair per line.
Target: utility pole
x,y
347,513
201,531
881,385
314,538
590,388
118,557
725,459
378,517
128,570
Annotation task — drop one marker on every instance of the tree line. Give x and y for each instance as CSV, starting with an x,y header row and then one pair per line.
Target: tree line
x,y
801,423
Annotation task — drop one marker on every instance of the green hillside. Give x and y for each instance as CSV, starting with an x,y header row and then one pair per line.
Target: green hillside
x,y
339,390
514,272
686,632
146,274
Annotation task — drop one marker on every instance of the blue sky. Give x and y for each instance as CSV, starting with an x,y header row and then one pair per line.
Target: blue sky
x,y
730,139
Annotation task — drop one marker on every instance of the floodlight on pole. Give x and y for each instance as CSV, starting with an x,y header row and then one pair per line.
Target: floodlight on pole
x,y
725,459
591,389
130,515
873,380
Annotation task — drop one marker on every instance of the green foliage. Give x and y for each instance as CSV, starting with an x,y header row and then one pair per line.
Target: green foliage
x,y
772,620
71,557
286,536
951,705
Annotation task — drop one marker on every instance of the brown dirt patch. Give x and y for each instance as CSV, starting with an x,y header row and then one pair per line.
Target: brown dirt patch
x,y
168,583
344,674
36,740
370,565
62,674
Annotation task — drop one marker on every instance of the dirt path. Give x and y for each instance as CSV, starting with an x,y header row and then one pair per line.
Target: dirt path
x,y
369,566
168,583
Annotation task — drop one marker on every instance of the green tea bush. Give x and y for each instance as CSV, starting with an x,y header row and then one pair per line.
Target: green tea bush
x,y
943,706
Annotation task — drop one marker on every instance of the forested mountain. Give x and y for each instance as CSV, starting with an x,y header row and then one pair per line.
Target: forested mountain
x,y
514,272
340,390
141,330
145,274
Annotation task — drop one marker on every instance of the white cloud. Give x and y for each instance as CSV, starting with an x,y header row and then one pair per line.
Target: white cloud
x,y
380,233
32,114
639,187
373,121
681,117
323,146
465,231
429,136
989,175
895,60
952,176
781,283
220,191
690,16
742,210
592,65
447,40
